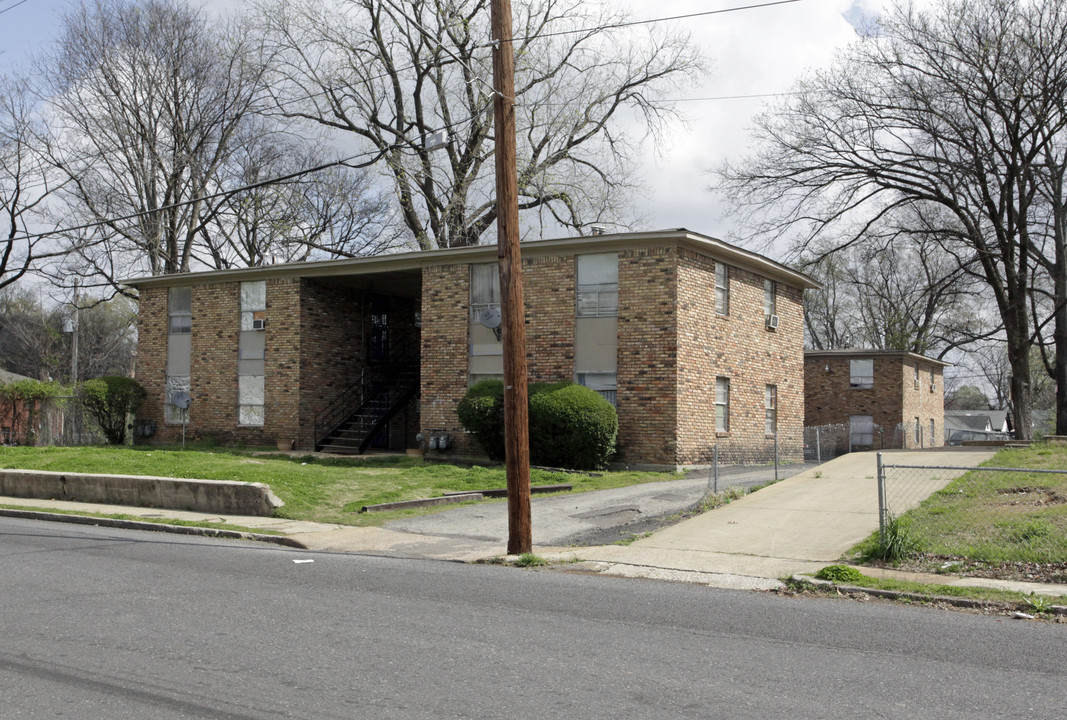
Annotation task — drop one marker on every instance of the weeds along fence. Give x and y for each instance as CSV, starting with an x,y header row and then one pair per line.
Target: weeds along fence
x,y
750,467
985,514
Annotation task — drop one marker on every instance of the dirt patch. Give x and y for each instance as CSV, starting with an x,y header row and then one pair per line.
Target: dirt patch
x,y
1021,571
1032,496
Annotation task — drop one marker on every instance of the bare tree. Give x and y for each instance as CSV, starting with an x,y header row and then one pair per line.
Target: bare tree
x,y
333,213
949,113
147,98
25,184
900,292
392,72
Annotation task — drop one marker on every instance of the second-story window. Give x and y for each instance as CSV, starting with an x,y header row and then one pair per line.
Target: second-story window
x,y
598,285
722,289
770,305
861,373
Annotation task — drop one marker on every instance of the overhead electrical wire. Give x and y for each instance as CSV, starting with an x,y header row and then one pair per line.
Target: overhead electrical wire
x,y
12,6
344,161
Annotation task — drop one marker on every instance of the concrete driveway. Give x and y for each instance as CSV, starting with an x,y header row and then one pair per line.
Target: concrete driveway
x,y
795,526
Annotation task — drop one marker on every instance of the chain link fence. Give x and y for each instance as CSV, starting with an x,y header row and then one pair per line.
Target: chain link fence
x,y
746,468
992,515
826,442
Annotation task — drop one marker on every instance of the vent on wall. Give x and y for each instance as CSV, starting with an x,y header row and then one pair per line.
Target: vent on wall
x,y
259,324
772,322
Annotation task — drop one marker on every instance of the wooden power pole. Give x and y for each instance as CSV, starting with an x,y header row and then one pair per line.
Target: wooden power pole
x,y
516,411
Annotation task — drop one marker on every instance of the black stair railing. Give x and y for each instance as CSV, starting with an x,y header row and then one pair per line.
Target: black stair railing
x,y
352,420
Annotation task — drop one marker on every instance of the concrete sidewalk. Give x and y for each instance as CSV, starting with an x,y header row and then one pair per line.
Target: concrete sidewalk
x,y
797,525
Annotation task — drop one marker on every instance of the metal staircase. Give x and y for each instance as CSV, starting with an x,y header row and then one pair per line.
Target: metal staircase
x,y
350,423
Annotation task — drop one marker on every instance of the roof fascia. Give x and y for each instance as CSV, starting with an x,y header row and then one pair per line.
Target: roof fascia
x,y
409,261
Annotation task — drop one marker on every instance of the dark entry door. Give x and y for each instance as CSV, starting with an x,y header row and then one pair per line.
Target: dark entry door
x,y
379,329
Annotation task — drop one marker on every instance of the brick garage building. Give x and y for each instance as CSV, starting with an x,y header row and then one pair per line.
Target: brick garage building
x,y
886,398
698,343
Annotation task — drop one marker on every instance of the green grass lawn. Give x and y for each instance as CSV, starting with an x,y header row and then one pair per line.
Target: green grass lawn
x,y
329,490
995,517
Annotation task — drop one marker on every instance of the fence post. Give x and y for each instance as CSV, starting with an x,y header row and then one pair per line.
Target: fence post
x,y
881,500
818,446
715,469
776,456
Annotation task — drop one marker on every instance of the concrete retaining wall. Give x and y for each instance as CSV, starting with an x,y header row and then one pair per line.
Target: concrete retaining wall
x,y
211,496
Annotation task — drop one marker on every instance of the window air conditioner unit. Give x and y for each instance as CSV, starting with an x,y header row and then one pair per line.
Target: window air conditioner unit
x,y
772,322
259,324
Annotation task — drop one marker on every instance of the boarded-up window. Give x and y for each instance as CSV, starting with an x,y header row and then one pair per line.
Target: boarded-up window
x,y
179,355
861,430
861,373
251,354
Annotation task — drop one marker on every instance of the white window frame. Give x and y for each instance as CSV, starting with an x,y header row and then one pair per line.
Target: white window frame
x,y
478,305
770,410
596,299
770,300
179,321
722,405
251,386
722,289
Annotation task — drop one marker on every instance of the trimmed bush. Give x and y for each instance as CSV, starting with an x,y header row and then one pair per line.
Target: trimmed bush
x,y
571,426
111,400
482,412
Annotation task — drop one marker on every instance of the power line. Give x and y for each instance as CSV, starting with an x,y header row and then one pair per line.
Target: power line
x,y
12,6
212,196
652,21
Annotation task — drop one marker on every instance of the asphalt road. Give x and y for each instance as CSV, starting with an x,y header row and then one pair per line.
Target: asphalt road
x,y
105,623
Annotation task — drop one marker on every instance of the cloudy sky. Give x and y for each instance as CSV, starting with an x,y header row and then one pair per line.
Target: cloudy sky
x,y
756,51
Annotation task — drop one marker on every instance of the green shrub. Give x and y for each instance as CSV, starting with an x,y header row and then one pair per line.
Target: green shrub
x,y
840,574
482,412
21,401
110,400
571,426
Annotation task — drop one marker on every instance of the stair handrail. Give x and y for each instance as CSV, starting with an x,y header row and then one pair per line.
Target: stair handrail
x,y
352,398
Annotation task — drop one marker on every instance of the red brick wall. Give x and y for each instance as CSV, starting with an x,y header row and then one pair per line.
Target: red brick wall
x,y
445,320
737,346
151,369
548,284
648,342
893,402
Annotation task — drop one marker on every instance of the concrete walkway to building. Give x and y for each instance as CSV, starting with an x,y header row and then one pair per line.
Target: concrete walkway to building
x,y
797,525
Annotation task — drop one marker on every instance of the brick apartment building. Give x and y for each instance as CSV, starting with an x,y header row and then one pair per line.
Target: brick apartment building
x,y
697,343
887,398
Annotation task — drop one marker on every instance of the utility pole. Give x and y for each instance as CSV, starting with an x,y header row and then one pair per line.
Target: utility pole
x,y
74,338
516,410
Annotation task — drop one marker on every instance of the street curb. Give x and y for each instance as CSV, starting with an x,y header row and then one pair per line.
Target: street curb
x,y
903,595
157,527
